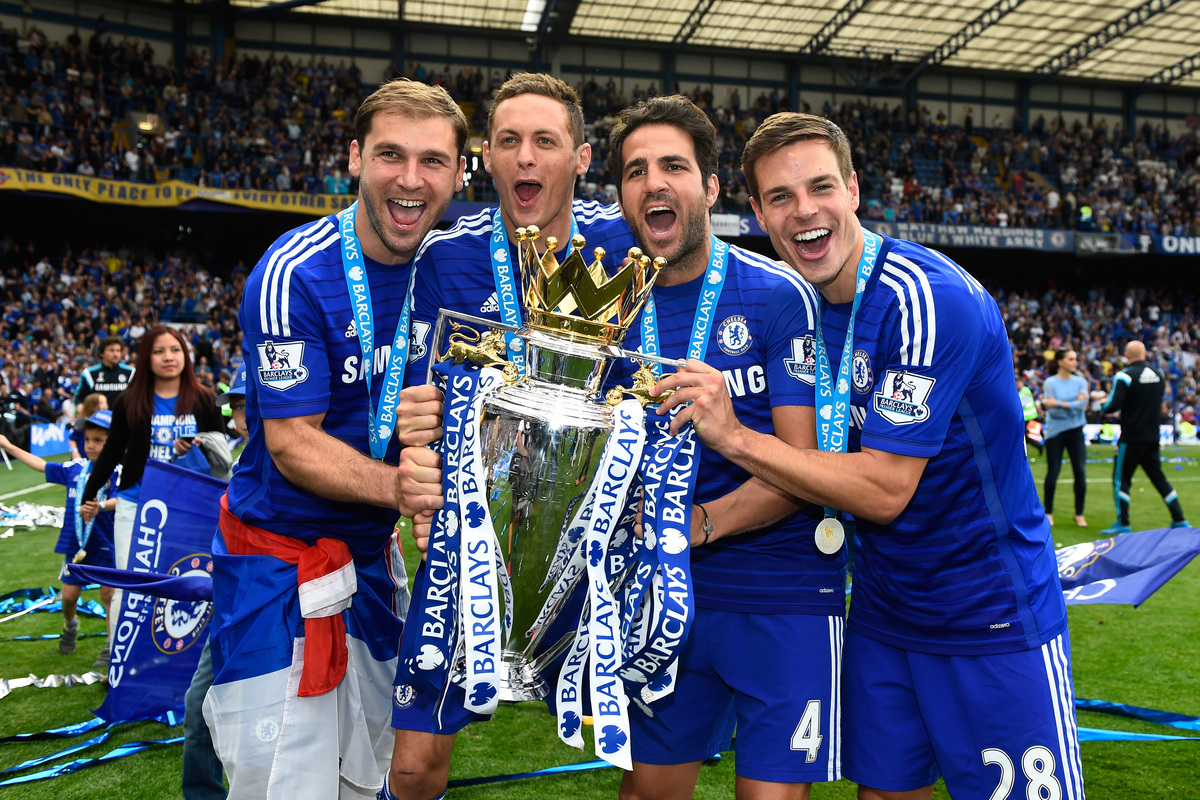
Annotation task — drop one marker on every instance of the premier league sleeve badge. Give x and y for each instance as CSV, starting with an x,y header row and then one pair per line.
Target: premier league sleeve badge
x,y
281,364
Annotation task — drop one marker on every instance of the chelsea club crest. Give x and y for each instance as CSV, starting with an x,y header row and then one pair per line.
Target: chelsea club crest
x,y
177,624
404,696
733,335
860,372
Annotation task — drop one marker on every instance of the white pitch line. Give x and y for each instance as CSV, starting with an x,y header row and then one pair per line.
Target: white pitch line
x,y
30,490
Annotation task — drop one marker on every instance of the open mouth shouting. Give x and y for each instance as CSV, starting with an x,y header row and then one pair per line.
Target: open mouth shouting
x,y
660,221
813,244
405,213
527,193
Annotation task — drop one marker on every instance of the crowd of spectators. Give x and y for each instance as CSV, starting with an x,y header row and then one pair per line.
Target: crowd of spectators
x,y
56,304
285,125
1096,326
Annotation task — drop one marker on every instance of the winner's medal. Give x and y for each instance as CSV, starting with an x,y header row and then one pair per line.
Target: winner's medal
x,y
79,557
833,398
830,535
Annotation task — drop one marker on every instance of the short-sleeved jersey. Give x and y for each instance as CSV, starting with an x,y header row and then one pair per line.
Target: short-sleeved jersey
x,y
303,358
101,536
968,567
166,427
454,270
764,307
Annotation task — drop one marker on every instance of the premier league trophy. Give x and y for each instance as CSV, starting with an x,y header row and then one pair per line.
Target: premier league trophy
x,y
538,465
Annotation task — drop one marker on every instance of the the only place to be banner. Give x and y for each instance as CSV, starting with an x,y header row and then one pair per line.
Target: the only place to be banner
x,y
169,194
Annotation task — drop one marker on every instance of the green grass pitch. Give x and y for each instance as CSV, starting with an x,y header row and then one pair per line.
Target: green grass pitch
x,y
1149,656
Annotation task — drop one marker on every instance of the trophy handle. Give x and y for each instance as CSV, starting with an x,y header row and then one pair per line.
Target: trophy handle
x,y
464,342
643,382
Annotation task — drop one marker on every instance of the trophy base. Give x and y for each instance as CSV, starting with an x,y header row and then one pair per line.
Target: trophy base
x,y
518,680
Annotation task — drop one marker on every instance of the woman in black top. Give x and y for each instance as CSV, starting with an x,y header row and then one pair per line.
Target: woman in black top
x,y
157,417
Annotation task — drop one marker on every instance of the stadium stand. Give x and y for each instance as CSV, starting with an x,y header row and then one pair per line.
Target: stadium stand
x,y
279,124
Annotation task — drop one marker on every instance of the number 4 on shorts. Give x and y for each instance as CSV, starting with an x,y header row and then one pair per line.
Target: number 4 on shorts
x,y
1038,765
808,733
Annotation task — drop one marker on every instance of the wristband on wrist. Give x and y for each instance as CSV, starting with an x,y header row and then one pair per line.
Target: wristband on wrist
x,y
708,526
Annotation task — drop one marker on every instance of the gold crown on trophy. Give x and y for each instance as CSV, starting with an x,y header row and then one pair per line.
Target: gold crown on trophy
x,y
578,299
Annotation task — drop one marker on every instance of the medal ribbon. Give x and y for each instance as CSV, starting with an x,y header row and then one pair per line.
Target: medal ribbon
x,y
504,273
833,401
83,532
354,266
706,306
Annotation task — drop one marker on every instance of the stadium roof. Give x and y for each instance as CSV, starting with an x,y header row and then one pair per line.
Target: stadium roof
x,y
1156,41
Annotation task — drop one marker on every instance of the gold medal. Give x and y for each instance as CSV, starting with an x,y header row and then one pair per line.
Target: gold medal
x,y
830,535
79,557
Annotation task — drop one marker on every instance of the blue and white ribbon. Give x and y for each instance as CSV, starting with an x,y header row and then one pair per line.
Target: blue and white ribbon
x,y
479,594
382,422
504,269
83,531
833,400
706,307
432,628
669,480
597,649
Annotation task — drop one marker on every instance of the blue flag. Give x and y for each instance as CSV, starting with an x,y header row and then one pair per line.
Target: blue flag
x,y
1127,568
158,641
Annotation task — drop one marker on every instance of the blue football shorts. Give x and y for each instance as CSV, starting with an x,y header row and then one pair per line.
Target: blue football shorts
x,y
772,676
996,726
96,557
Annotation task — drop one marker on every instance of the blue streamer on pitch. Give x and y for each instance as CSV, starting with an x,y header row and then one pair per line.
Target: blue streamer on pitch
x,y
1101,735
564,769
64,732
74,766
1136,712
72,750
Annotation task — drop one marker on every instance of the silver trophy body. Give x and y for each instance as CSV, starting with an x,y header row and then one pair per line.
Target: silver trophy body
x,y
541,441
542,435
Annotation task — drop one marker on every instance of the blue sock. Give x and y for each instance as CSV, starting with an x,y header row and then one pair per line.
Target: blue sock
x,y
386,792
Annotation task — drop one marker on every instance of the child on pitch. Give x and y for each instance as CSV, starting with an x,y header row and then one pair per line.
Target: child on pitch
x,y
80,543
91,404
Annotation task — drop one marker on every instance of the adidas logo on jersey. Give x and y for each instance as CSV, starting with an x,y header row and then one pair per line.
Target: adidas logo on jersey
x,y
491,305
1148,376
351,330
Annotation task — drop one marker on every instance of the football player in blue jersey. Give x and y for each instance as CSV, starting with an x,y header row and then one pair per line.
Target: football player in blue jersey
x,y
765,646
308,583
535,152
957,658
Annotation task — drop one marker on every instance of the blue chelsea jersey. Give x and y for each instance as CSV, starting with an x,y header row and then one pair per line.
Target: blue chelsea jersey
x,y
101,537
303,358
968,567
454,271
764,312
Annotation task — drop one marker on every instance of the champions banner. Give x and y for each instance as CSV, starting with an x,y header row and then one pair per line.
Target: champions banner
x,y
1127,568
1053,241
170,194
158,641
